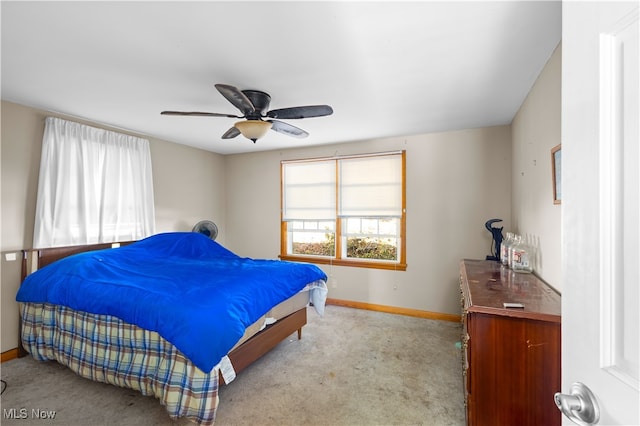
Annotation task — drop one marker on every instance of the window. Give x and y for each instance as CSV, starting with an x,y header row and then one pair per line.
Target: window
x,y
95,186
345,211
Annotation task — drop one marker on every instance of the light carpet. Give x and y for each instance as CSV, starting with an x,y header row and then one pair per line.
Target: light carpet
x,y
352,367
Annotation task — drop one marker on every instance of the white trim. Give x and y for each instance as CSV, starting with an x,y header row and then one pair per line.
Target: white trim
x,y
611,196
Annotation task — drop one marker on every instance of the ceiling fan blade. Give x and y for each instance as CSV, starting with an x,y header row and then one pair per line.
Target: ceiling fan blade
x,y
199,114
236,97
287,129
301,112
231,133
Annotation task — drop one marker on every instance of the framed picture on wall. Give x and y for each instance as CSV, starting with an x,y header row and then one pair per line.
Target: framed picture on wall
x,y
556,173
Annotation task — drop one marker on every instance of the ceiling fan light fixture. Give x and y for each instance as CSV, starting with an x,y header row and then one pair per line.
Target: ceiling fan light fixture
x,y
253,129
253,104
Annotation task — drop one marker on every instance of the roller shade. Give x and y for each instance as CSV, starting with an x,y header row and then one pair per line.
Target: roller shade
x,y
309,190
370,186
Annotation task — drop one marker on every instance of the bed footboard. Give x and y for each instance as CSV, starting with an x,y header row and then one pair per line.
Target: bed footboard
x,y
254,348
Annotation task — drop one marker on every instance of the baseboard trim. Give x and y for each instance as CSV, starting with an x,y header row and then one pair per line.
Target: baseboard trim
x,y
9,355
394,310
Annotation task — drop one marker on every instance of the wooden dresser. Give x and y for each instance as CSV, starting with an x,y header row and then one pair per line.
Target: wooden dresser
x,y
511,356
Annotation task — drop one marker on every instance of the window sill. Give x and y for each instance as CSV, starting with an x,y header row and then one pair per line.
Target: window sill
x,y
344,262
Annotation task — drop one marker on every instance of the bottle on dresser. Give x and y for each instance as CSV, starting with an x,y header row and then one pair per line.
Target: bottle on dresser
x,y
522,261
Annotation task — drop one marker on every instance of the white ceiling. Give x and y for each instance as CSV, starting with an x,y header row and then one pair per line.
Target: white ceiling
x,y
387,68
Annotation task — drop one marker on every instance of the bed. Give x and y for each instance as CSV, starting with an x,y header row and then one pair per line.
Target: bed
x,y
173,315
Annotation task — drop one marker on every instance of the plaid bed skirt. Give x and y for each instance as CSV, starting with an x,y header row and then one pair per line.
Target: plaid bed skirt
x,y
106,349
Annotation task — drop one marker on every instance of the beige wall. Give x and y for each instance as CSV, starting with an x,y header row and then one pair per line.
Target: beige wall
x,y
456,181
536,129
189,185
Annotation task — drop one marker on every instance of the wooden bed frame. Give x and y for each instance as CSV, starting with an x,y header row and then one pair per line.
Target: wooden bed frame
x,y
241,357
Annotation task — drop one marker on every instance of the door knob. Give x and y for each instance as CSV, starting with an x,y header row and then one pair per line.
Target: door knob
x,y
580,406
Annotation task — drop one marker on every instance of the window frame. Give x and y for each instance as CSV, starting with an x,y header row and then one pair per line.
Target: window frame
x,y
337,259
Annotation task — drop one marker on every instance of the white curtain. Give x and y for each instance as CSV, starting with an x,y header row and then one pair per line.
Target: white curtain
x,y
95,186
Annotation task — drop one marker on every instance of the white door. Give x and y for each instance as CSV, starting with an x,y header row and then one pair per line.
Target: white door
x,y
600,207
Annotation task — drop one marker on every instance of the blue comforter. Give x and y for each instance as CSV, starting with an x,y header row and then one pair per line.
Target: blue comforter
x,y
192,291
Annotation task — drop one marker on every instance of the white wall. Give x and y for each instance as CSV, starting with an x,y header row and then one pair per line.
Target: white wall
x,y
456,181
536,129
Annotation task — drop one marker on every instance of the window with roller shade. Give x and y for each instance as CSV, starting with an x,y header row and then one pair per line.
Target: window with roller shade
x,y
347,210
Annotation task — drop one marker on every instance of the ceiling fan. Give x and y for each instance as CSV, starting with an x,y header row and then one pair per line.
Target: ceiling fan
x,y
253,104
